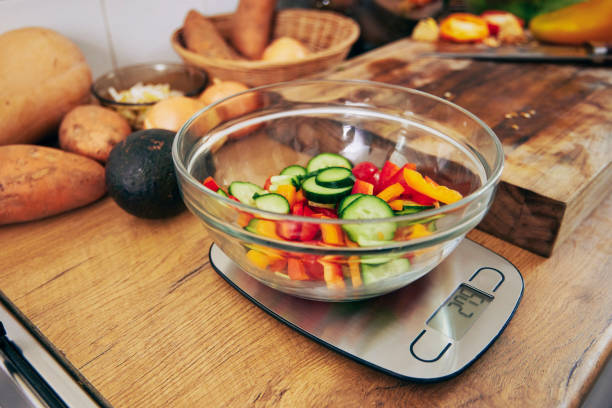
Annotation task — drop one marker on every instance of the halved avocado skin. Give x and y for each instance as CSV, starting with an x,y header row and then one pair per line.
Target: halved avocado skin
x,y
140,175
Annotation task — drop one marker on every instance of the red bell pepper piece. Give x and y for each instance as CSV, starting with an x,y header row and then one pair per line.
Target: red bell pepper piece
x,y
313,268
267,183
367,172
210,183
388,171
289,230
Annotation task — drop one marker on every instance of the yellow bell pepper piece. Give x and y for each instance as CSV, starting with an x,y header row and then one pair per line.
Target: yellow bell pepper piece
x,y
415,180
579,23
288,191
258,259
392,192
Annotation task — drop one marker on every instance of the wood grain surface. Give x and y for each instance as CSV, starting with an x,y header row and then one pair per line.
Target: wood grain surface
x,y
136,307
554,121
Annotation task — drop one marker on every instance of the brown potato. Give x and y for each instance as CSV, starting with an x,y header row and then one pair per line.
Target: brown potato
x,y
92,131
37,182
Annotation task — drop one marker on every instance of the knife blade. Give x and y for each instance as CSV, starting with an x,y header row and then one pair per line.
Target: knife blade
x,y
597,53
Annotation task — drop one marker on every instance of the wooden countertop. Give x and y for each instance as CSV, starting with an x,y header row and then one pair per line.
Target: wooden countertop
x,y
136,307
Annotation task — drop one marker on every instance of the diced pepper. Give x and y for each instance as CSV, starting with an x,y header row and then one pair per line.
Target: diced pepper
x,y
210,183
396,205
367,172
419,231
579,23
243,219
298,208
332,234
258,259
278,265
391,193
296,269
288,191
463,27
355,271
289,230
268,183
389,169
299,196
415,180
266,228
362,187
397,177
313,268
332,274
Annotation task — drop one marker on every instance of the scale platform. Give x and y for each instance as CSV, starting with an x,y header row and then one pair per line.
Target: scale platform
x,y
430,330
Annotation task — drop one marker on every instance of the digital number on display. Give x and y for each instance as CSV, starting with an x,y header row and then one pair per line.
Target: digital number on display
x,y
455,317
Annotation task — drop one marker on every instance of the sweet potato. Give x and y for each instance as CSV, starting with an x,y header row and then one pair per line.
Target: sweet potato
x,y
251,26
201,36
37,182
92,131
42,76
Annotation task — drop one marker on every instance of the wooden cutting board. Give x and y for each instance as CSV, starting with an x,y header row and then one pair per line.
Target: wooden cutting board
x,y
554,120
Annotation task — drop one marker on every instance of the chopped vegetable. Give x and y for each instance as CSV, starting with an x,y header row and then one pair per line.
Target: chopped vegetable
x,y
330,187
464,27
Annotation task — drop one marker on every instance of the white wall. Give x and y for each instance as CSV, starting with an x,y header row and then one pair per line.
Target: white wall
x,y
108,32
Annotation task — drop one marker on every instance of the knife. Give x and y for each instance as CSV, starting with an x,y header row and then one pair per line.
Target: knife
x,y
597,53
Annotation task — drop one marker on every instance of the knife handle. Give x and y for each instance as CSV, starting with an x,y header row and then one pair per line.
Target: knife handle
x,y
600,51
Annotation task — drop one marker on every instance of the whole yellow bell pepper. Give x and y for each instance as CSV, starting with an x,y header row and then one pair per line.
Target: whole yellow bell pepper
x,y
579,23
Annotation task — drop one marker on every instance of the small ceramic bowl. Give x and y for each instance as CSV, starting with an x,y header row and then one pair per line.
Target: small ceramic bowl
x,y
187,80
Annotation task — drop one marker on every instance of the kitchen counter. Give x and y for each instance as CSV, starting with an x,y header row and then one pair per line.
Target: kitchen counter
x,y
136,307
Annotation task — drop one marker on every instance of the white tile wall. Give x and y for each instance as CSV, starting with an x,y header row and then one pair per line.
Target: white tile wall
x,y
109,32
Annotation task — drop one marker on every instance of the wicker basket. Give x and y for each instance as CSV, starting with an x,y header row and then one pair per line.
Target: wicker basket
x,y
328,35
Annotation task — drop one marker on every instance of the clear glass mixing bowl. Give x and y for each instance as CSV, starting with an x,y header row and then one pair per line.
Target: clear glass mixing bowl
x,y
364,121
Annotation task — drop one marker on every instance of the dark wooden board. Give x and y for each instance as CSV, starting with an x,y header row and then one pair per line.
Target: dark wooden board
x,y
554,120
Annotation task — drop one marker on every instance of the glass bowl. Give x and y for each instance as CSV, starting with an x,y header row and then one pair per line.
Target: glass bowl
x,y
187,80
363,121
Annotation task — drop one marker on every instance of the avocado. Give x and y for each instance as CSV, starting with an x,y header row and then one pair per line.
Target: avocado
x,y
140,175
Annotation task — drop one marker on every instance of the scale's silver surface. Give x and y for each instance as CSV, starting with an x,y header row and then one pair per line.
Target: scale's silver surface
x,y
429,330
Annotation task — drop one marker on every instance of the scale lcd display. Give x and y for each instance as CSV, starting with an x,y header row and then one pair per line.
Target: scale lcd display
x,y
455,317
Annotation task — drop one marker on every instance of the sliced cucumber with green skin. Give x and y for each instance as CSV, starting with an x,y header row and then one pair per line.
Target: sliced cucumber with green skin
x,y
285,179
369,207
413,209
374,273
378,259
293,170
335,177
272,202
221,192
244,191
324,160
323,195
346,201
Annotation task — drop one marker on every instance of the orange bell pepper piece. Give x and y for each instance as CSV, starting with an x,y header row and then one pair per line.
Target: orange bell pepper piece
x,y
392,192
299,196
296,269
355,271
415,180
362,187
463,27
332,274
396,205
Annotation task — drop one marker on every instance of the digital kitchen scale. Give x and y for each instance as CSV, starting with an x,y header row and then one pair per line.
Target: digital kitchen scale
x,y
430,330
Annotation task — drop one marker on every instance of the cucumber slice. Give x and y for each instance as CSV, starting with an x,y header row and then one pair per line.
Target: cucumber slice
x,y
293,170
244,191
412,209
272,202
365,208
346,201
285,179
375,273
335,177
324,160
323,195
221,192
